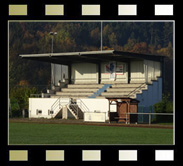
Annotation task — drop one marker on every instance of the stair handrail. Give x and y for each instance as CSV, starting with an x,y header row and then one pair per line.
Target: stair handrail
x,y
58,103
139,87
73,113
83,106
55,114
55,104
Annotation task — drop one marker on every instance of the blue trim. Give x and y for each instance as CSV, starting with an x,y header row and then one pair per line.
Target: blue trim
x,y
99,91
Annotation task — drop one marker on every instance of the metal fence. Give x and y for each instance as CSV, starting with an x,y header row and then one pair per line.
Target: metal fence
x,y
151,118
146,115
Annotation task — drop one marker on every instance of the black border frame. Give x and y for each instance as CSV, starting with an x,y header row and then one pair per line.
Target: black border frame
x,y
73,153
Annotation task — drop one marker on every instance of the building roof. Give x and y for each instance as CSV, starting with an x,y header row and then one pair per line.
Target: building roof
x,y
67,58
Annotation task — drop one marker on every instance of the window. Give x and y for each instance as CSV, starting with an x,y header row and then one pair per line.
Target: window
x,y
38,112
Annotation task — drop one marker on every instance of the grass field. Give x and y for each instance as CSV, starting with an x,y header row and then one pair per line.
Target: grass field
x,y
31,133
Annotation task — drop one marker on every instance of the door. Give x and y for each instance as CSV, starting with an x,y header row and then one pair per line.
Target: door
x,y
122,110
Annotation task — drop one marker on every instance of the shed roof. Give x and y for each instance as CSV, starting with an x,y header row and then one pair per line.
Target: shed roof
x,y
67,58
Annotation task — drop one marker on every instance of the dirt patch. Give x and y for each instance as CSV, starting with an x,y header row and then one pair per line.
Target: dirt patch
x,y
81,122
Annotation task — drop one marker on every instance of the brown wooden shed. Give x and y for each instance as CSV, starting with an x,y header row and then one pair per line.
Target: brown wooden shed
x,y
124,107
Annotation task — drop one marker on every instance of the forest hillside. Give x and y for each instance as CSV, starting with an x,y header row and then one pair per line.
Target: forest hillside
x,y
33,37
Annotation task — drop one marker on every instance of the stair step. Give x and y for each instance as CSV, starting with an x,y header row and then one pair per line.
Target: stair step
x,y
120,90
69,96
126,85
119,96
85,86
100,97
78,90
66,93
114,93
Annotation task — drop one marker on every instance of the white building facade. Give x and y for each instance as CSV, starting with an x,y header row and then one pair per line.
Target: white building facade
x,y
96,76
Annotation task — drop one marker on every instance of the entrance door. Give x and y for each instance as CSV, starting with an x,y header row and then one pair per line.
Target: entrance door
x,y
122,108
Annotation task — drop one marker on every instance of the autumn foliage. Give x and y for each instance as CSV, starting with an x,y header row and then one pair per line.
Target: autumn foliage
x,y
33,37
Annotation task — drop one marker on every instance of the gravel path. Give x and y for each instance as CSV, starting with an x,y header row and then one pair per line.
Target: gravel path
x,y
81,122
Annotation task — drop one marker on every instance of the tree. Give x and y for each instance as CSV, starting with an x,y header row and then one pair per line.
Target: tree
x,y
33,37
130,44
140,48
167,33
19,96
14,108
152,49
95,36
112,39
168,51
107,30
164,106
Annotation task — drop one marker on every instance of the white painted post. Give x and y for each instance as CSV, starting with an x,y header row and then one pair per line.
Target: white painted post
x,y
23,113
149,119
77,112
30,114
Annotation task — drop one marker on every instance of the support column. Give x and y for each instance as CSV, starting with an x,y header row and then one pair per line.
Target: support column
x,y
129,72
99,73
52,75
69,74
146,71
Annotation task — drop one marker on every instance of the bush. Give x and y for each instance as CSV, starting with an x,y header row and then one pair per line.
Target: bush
x,y
19,99
14,108
164,106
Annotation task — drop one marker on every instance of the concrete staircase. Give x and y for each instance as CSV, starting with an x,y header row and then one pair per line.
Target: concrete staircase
x,y
92,90
100,91
124,90
76,111
57,114
75,107
77,91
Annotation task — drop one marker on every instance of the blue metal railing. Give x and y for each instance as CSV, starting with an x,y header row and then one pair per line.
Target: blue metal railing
x,y
99,91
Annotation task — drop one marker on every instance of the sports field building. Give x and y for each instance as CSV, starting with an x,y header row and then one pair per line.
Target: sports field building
x,y
99,85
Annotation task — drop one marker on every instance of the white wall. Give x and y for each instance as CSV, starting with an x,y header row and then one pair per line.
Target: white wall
x,y
84,72
153,70
88,72
95,117
137,72
119,77
101,105
58,73
43,104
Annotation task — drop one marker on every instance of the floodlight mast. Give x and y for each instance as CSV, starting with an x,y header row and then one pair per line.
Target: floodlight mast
x,y
52,34
101,36
52,65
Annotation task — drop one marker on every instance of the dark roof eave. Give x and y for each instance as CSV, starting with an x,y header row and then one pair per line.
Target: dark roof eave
x,y
141,56
91,56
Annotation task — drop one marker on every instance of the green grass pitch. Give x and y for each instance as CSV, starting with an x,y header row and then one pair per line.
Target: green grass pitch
x,y
43,134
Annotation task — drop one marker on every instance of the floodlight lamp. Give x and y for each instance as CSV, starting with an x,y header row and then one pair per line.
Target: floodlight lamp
x,y
53,33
